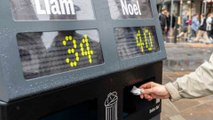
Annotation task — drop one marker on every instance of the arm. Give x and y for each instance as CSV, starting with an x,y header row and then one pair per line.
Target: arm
x,y
197,24
196,84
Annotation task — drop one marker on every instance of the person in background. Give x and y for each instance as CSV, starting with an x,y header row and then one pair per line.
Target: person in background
x,y
196,84
174,21
195,25
163,20
202,34
168,18
170,28
184,25
209,26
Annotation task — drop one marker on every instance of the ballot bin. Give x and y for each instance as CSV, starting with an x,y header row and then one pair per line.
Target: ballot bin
x,y
78,59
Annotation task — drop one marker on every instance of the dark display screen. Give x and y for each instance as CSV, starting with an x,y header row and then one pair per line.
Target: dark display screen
x,y
52,10
45,53
135,41
130,9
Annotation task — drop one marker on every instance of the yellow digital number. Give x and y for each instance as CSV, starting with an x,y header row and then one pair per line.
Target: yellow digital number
x,y
85,48
148,36
139,41
148,41
71,51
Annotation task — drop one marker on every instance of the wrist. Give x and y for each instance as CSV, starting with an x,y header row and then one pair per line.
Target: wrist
x,y
167,94
173,92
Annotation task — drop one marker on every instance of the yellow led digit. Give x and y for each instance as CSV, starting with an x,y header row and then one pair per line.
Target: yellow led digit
x,y
151,41
148,37
139,41
71,51
85,48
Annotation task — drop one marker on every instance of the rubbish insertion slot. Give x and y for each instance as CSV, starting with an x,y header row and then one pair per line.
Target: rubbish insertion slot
x,y
133,103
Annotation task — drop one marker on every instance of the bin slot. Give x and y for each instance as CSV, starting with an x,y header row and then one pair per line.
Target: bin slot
x,y
133,104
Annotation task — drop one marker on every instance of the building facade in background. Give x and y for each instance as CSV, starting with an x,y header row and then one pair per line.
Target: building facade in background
x,y
191,6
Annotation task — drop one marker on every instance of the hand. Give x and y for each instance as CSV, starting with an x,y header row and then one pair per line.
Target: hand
x,y
153,90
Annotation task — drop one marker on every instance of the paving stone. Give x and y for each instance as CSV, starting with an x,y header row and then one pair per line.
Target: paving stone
x,y
184,104
168,109
200,112
198,117
207,99
176,117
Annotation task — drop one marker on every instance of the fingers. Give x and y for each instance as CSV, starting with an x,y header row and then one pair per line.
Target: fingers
x,y
147,85
150,91
148,97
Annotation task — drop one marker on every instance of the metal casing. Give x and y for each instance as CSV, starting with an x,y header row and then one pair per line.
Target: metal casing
x,y
14,86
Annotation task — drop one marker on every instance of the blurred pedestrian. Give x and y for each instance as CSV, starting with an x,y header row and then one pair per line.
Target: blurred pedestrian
x,y
168,21
171,24
163,20
195,25
202,34
196,84
209,26
170,18
184,25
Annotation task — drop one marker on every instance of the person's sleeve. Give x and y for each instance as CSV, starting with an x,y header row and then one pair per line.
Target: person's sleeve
x,y
196,84
198,24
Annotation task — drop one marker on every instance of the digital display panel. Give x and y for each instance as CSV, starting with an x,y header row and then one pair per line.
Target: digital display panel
x,y
45,53
130,9
52,10
135,41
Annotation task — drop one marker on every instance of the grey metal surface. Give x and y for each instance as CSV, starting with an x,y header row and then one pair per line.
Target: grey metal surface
x,y
13,82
